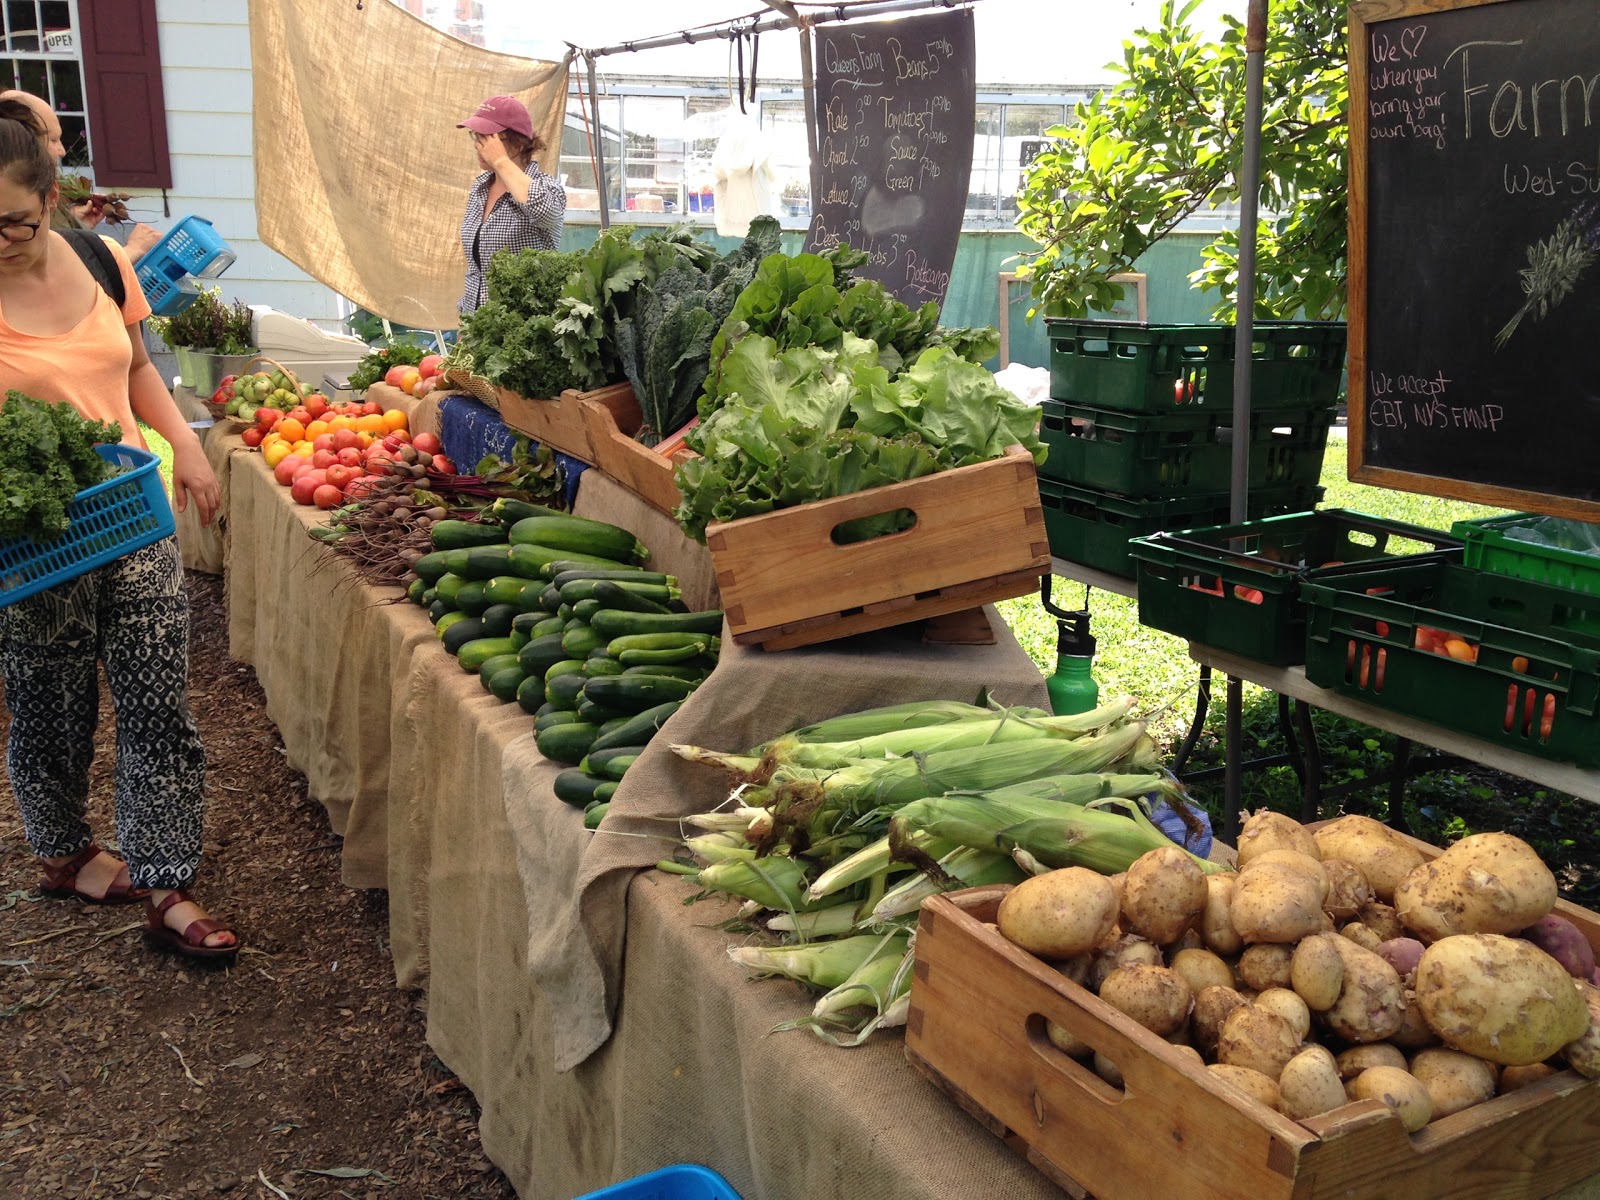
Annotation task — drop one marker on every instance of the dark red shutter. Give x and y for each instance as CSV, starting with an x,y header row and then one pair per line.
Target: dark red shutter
x,y
122,88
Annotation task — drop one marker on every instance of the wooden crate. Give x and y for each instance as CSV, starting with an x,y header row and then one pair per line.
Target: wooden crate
x,y
977,1030
612,417
979,537
561,423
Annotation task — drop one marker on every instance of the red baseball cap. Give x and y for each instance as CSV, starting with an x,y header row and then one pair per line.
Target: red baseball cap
x,y
499,113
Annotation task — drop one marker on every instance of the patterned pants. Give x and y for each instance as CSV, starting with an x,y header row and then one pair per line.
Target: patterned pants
x,y
133,615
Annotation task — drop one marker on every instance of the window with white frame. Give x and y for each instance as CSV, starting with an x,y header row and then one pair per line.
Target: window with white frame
x,y
40,54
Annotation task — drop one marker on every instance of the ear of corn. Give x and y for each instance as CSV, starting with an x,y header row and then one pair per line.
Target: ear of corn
x,y
871,860
822,964
720,847
822,922
887,719
964,866
772,882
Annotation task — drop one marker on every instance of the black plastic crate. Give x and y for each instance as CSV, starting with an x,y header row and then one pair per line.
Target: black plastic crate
x,y
1237,587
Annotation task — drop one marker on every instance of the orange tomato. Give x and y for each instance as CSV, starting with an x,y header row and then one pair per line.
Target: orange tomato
x,y
316,429
342,422
367,439
394,419
291,429
372,424
302,450
408,379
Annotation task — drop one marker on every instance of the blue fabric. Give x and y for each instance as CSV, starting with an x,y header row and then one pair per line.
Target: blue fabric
x,y
1171,824
471,430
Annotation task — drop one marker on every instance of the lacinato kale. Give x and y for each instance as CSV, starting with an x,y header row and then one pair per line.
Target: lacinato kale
x,y
47,456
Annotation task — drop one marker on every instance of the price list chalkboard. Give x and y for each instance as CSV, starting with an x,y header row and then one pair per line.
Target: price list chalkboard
x,y
896,103
1475,250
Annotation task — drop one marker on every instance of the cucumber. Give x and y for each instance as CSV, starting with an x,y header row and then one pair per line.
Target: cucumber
x,y
661,641
415,590
641,658
556,716
540,654
530,695
578,642
431,567
459,535
636,574
599,714
584,609
505,589
593,538
610,764
566,743
471,599
479,562
475,653
635,693
530,598
428,598
613,724
550,599
582,589
565,666
497,619
595,813
449,619
469,629
530,561
595,667
448,587
508,511
626,597
688,670
563,690
573,787
503,684
618,624
529,622
498,663
638,731
574,623
564,612
438,610
542,710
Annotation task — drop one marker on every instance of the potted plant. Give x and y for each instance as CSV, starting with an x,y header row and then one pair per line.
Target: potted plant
x,y
210,339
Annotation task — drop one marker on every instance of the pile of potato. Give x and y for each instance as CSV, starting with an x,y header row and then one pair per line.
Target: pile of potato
x,y
1338,964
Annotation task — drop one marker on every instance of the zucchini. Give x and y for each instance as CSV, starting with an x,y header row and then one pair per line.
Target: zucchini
x,y
530,695
581,589
635,693
595,813
459,535
556,716
530,598
550,599
431,567
636,574
479,562
573,787
475,653
638,731
449,619
503,684
471,600
644,658
468,629
542,710
661,641
594,667
415,590
688,670
428,598
612,763
599,714
565,613
530,561
566,743
613,724
497,619
565,666
508,511
518,638
505,589
584,609
498,663
528,623
438,610
618,624
620,594
677,606
563,690
540,654
448,587
579,641
593,538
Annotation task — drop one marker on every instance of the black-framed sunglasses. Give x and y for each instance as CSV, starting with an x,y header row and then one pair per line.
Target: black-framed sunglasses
x,y
22,231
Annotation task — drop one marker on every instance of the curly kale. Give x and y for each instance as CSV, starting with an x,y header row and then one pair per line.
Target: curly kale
x,y
511,338
47,456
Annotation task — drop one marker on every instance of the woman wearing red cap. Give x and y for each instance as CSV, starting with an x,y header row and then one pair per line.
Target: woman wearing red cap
x,y
513,205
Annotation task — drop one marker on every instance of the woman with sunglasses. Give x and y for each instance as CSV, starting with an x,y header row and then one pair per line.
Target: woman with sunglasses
x,y
63,339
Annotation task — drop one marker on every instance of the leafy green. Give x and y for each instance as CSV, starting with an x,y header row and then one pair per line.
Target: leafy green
x,y
510,339
400,351
47,456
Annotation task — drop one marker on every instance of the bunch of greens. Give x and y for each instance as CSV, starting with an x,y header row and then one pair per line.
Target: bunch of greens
x,y
209,324
510,340
399,351
47,456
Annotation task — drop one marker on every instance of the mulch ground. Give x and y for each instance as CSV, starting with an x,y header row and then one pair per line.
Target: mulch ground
x,y
299,1072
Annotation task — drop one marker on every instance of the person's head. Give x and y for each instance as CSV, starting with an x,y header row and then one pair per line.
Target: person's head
x,y
49,123
507,118
28,189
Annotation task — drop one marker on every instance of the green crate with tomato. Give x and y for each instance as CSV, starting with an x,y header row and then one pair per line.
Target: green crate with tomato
x,y
1501,659
1236,587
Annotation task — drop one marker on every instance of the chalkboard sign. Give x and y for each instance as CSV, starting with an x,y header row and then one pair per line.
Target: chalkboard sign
x,y
896,104
1475,250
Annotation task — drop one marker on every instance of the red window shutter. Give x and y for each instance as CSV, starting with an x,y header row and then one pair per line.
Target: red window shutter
x,y
122,89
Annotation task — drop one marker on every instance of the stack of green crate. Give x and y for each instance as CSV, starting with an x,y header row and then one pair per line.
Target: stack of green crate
x,y
1140,428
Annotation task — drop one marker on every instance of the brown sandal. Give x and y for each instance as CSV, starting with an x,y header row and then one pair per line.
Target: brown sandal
x,y
61,881
191,943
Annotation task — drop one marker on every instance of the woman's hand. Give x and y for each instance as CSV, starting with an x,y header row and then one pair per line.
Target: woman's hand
x,y
491,149
141,241
193,478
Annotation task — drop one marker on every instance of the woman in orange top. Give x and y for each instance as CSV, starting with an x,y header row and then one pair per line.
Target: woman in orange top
x,y
63,339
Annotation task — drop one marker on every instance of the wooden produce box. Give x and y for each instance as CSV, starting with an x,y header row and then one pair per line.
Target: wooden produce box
x,y
612,417
977,1030
979,537
561,423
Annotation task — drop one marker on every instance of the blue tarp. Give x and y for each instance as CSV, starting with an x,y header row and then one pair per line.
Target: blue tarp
x,y
471,430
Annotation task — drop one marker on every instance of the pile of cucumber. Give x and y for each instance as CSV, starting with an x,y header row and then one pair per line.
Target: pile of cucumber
x,y
556,612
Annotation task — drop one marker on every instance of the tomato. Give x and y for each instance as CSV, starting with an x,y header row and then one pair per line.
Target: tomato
x,y
1366,666
350,457
1377,679
305,486
443,465
429,366
327,496
1460,650
268,417
428,442
1249,595
224,391
393,374
1382,627
340,476
288,468
252,436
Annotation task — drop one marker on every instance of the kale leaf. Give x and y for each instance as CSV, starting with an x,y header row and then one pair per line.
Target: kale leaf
x,y
511,338
47,456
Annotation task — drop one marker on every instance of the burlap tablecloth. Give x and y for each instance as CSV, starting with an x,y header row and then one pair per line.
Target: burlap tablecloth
x,y
204,547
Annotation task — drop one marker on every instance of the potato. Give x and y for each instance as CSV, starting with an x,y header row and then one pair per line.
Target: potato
x,y
1153,996
1310,1084
1583,1052
1359,1058
1402,953
1564,942
1513,1078
1255,1037
1107,1070
1485,883
1267,830
1276,903
1289,1006
1266,965
1301,862
1201,969
1499,998
1381,855
1216,923
1076,968
1191,940
1060,913
1396,1088
1211,1007
1127,951
1316,972
1371,1004
1253,1084
1066,1041
1361,935
1191,1054
1165,894
1454,1080
1414,1033
1348,889
1382,920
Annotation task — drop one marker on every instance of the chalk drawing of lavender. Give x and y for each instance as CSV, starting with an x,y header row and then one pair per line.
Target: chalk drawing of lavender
x,y
1554,267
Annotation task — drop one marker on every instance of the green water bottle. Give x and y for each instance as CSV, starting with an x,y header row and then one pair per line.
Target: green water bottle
x,y
1072,688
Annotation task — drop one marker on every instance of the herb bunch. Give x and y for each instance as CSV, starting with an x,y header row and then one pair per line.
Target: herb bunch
x,y
395,353
209,324
47,456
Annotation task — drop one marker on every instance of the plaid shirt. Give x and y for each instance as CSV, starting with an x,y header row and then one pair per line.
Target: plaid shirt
x,y
535,225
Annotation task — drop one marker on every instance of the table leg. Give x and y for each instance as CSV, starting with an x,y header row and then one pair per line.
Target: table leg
x,y
1397,785
1291,744
1311,781
1202,701
1232,778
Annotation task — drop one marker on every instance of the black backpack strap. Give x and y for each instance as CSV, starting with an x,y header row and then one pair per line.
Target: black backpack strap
x,y
102,264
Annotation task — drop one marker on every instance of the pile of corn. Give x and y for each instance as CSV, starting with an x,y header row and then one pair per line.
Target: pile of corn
x,y
835,833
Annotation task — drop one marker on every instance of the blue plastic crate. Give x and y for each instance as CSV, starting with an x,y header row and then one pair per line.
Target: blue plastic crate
x,y
109,520
683,1182
168,297
191,247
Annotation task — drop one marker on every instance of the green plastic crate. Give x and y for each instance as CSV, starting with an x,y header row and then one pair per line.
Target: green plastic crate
x,y
1532,683
1155,368
1093,528
1490,548
1183,452
1237,587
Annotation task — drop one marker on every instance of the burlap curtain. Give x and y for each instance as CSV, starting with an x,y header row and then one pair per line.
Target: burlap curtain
x,y
361,174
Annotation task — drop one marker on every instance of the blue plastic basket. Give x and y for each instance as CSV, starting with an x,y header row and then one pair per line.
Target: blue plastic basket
x,y
108,520
683,1182
191,247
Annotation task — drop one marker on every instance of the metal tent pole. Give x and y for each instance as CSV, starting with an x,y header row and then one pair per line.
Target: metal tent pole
x,y
599,144
830,15
1244,335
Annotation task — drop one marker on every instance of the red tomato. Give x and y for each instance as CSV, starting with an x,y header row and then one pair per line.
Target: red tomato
x,y
443,465
323,459
429,366
428,442
252,436
325,441
287,469
327,496
1548,720
372,408
340,475
266,417
1511,706
392,376
305,486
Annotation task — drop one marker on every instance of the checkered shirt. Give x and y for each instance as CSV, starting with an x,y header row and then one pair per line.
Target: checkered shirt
x,y
535,225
